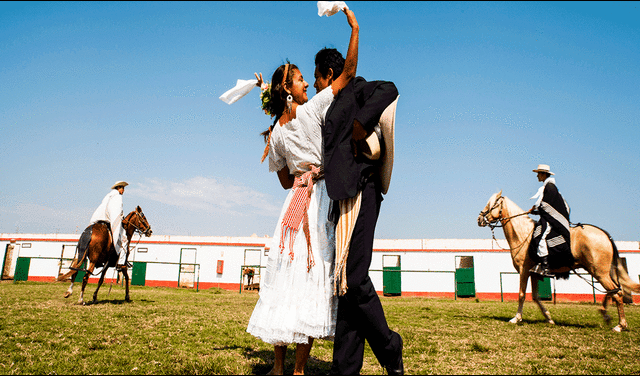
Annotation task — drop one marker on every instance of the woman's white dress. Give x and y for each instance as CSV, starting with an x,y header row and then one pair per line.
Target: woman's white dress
x,y
295,304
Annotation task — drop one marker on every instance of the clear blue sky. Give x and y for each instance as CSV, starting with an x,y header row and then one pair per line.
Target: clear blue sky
x,y
92,93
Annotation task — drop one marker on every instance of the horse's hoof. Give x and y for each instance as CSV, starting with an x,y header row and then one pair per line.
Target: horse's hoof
x,y
515,320
67,294
619,329
551,322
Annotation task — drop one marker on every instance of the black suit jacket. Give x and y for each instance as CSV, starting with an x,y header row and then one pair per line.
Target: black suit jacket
x,y
361,100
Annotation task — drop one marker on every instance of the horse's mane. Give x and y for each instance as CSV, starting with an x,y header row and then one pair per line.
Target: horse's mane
x,y
522,223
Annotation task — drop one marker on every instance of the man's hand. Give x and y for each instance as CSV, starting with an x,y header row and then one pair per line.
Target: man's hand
x,y
358,131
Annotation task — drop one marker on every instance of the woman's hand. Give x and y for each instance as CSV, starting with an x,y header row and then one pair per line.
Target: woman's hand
x,y
351,18
259,78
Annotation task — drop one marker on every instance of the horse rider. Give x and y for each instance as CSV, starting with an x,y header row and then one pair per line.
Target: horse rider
x,y
554,215
110,211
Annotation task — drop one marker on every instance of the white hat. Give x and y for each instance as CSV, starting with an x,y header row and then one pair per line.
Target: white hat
x,y
119,184
543,168
383,137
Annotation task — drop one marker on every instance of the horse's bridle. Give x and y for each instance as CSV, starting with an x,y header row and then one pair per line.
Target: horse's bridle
x,y
136,227
494,223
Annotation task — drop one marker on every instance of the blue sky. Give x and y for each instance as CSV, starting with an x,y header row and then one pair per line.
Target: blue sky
x,y
92,93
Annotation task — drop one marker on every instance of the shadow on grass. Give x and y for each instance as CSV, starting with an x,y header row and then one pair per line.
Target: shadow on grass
x,y
115,302
263,361
561,323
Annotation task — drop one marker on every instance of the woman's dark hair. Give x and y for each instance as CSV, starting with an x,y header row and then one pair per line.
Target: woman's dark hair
x,y
329,58
278,99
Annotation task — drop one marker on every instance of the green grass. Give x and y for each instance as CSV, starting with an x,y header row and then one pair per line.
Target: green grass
x,y
180,331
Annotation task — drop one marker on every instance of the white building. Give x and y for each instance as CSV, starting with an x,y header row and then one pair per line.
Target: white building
x,y
428,267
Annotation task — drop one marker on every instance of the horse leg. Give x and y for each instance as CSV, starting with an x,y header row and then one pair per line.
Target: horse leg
x,y
536,298
70,289
522,294
622,320
609,285
95,294
125,273
73,278
84,282
603,309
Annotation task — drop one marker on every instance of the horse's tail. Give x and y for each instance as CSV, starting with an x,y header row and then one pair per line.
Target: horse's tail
x,y
82,251
65,276
623,277
618,272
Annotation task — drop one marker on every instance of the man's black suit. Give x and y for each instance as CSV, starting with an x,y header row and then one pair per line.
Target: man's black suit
x,y
360,314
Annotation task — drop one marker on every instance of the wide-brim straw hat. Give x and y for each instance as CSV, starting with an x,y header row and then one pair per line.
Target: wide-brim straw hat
x,y
381,144
119,184
543,168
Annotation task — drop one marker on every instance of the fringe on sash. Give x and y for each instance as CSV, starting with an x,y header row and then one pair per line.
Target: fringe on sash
x,y
297,212
349,210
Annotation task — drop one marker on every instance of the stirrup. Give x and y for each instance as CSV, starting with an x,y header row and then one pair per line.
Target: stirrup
x,y
540,270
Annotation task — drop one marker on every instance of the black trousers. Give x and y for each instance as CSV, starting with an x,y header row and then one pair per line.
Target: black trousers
x,y
360,314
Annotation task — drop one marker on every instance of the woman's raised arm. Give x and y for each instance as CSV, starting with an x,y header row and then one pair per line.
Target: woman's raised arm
x,y
351,62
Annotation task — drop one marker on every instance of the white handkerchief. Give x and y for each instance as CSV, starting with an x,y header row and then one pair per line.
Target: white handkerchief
x,y
242,88
329,8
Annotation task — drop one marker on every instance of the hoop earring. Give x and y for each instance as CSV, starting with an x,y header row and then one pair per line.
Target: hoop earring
x,y
289,102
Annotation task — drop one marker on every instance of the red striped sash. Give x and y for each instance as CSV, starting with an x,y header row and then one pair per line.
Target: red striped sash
x,y
297,212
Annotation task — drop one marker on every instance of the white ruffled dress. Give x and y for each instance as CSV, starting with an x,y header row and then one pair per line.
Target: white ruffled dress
x,y
294,303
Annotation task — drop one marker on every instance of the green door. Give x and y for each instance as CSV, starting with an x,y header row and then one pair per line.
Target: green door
x,y
139,274
82,272
465,279
22,269
391,281
544,289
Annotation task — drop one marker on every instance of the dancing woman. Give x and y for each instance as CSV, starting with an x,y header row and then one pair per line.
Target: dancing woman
x,y
296,303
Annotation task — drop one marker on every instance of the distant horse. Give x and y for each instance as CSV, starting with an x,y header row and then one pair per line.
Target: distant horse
x,y
249,272
591,247
102,253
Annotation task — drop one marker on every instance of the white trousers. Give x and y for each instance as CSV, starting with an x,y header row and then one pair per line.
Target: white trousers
x,y
542,246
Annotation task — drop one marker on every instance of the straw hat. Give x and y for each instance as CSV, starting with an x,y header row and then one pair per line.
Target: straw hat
x,y
381,144
119,184
543,168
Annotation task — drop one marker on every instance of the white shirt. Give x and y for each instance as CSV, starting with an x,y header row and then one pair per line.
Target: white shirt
x,y
539,194
298,143
110,210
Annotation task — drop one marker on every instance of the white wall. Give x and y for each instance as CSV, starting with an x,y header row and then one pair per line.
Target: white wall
x,y
416,255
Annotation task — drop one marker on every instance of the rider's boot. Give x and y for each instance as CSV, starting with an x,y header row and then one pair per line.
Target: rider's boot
x,y
542,268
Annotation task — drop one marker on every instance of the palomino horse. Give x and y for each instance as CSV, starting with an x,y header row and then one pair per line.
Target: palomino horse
x,y
102,253
592,248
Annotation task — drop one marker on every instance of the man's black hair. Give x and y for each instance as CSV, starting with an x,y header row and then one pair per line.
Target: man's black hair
x,y
329,58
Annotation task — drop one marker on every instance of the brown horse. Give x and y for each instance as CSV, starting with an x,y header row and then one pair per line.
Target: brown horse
x,y
249,272
592,248
102,253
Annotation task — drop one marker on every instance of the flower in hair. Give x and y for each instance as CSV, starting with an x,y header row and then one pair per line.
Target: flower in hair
x,y
265,97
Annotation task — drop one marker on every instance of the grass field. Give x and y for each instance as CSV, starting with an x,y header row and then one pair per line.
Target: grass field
x,y
179,331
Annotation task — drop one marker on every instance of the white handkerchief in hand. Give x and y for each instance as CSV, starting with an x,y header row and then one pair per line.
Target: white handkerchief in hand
x,y
329,8
242,88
